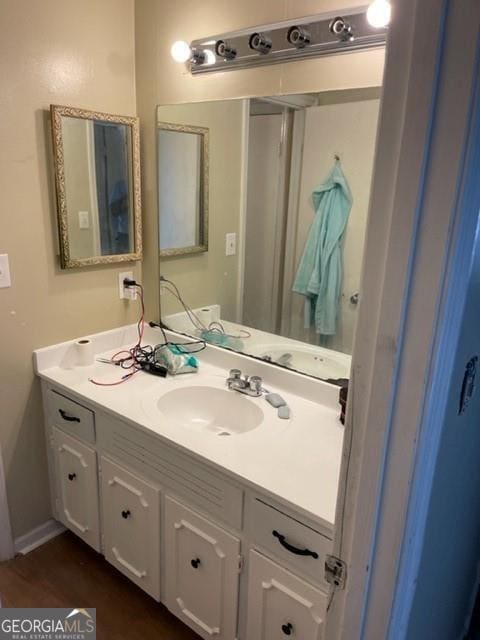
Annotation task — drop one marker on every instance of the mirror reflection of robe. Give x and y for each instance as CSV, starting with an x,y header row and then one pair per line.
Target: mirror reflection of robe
x,y
319,274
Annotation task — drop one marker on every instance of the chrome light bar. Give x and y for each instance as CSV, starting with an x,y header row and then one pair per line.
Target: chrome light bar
x,y
286,41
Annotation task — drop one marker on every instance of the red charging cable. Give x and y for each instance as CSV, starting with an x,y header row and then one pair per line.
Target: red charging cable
x,y
128,358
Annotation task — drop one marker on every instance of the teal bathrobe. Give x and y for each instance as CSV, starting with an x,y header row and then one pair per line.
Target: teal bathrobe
x,y
319,274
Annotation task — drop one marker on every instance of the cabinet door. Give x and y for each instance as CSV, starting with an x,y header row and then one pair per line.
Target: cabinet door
x,y
201,572
131,526
77,487
280,604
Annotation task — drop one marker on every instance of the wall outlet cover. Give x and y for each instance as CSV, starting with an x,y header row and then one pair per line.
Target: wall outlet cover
x,y
124,292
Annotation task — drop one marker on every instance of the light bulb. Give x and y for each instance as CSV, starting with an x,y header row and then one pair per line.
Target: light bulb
x,y
180,51
378,13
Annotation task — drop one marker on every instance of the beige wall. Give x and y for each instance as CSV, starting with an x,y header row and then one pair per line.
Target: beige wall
x,y
64,52
211,277
162,81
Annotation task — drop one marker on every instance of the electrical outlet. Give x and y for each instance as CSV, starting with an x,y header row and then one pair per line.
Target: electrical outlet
x,y
230,244
126,293
5,280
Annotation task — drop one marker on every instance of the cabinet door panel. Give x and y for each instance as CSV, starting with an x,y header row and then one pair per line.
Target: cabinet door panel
x,y
131,526
77,487
201,572
280,604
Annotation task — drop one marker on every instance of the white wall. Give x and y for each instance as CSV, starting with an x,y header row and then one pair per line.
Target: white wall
x,y
348,129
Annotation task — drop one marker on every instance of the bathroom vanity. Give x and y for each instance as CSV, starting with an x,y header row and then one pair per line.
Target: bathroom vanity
x,y
220,510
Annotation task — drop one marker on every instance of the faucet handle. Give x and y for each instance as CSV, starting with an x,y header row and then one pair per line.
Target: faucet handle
x,y
235,374
255,383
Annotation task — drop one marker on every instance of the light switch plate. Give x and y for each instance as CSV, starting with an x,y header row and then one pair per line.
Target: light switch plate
x,y
5,280
124,293
84,220
230,244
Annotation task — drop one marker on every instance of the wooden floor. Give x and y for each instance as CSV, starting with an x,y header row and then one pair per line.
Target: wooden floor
x,y
65,572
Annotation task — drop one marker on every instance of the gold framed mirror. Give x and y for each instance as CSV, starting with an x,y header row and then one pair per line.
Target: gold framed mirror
x,y
97,179
183,188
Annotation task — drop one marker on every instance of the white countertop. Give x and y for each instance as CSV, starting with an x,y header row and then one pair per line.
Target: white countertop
x,y
295,460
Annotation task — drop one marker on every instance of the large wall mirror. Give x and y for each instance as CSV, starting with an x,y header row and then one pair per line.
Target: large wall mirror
x,y
97,174
289,191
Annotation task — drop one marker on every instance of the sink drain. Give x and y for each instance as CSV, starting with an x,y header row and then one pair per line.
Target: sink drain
x,y
224,433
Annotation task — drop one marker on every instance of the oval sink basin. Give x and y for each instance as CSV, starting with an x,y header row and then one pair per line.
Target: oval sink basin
x,y
316,361
219,411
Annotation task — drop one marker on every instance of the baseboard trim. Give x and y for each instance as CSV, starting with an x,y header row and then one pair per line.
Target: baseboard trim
x,y
38,536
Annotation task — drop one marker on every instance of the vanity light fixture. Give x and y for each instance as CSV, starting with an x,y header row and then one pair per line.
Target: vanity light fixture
x,y
298,36
210,57
280,42
379,13
260,42
198,56
224,50
342,29
181,51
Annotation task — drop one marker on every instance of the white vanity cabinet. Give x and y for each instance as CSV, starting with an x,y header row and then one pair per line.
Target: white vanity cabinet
x,y
223,557
76,487
281,604
131,525
202,566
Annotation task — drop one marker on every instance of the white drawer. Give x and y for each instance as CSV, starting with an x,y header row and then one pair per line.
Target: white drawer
x,y
71,416
289,540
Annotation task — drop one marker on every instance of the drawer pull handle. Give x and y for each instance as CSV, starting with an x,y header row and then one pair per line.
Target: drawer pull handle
x,y
66,416
291,548
287,628
126,514
195,563
72,476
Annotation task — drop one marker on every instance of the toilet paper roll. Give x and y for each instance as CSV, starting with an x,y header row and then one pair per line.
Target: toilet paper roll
x,y
205,316
84,349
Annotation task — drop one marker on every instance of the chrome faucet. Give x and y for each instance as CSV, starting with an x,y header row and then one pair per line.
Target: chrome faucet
x,y
250,386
